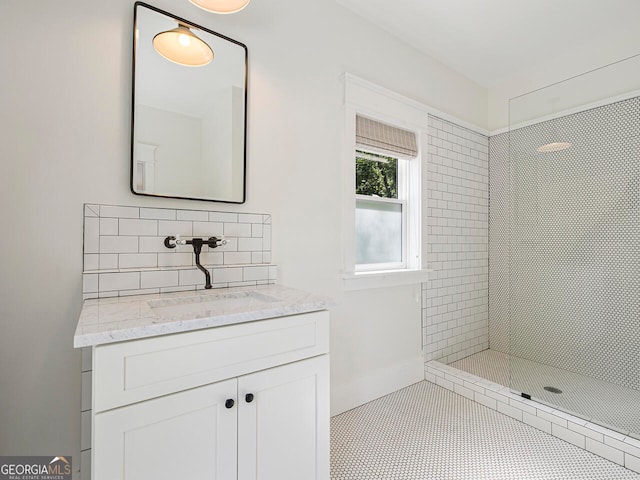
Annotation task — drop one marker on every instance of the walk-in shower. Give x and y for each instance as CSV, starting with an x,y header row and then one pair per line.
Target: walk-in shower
x,y
564,248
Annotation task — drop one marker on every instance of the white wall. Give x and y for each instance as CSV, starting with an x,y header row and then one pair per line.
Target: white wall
x,y
619,77
66,128
178,139
223,144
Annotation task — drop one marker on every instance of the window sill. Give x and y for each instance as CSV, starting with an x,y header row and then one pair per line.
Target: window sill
x,y
383,278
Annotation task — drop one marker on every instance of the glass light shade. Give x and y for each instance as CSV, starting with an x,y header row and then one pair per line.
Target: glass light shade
x,y
553,147
221,6
183,47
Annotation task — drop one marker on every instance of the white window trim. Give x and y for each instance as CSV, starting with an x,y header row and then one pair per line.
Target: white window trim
x,y
364,98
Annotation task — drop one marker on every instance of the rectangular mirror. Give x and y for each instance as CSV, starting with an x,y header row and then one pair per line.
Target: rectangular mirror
x,y
188,135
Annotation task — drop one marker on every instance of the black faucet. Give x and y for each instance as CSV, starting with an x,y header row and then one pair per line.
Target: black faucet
x,y
197,248
212,242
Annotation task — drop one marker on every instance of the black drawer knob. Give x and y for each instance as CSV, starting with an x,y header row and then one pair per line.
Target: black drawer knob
x,y
249,397
229,403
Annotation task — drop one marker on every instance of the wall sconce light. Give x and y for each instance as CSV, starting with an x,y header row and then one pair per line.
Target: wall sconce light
x,y
183,47
221,6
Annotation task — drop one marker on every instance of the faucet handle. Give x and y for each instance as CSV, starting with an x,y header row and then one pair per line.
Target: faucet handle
x,y
170,242
173,242
214,242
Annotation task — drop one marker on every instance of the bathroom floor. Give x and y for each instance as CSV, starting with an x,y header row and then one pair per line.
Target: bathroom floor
x,y
589,398
426,432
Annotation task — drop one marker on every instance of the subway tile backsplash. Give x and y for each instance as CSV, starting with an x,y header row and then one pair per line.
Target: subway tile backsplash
x,y
124,252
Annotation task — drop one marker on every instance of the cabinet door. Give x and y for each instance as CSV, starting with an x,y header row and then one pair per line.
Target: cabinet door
x,y
283,432
190,435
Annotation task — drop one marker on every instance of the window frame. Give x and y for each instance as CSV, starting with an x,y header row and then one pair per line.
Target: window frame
x,y
403,200
369,100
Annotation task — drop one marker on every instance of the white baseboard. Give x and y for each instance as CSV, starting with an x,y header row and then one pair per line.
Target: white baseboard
x,y
376,384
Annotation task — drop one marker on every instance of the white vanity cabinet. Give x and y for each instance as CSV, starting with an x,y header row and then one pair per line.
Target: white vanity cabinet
x,y
283,433
185,435
247,401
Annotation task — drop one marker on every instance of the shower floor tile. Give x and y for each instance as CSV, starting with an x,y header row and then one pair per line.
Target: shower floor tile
x,y
427,432
613,406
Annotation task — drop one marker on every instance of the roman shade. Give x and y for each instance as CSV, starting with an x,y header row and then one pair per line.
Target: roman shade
x,y
385,139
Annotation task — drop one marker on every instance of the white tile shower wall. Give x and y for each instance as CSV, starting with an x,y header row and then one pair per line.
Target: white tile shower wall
x,y
572,244
124,252
455,298
499,243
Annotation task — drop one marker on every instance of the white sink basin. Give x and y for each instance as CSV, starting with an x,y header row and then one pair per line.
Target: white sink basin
x,y
209,304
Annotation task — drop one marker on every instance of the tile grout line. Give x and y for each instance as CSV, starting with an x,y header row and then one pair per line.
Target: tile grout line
x,y
437,373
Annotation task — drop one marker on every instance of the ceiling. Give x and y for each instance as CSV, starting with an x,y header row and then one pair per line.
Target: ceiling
x,y
492,41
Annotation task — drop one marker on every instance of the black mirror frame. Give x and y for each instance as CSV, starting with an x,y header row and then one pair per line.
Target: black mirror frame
x,y
133,102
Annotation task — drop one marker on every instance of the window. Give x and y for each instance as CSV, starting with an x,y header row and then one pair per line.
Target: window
x,y
380,212
382,155
384,143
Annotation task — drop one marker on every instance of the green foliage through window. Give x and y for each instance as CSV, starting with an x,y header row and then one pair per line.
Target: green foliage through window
x,y
376,175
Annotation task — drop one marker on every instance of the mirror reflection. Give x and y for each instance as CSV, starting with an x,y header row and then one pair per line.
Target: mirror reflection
x,y
189,110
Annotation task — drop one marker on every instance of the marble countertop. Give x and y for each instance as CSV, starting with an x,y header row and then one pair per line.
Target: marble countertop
x,y
109,320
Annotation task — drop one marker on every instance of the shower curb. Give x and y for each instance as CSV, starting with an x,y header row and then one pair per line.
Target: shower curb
x,y
603,442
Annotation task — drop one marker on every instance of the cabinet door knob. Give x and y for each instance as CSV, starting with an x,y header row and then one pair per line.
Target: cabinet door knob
x,y
249,397
229,403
